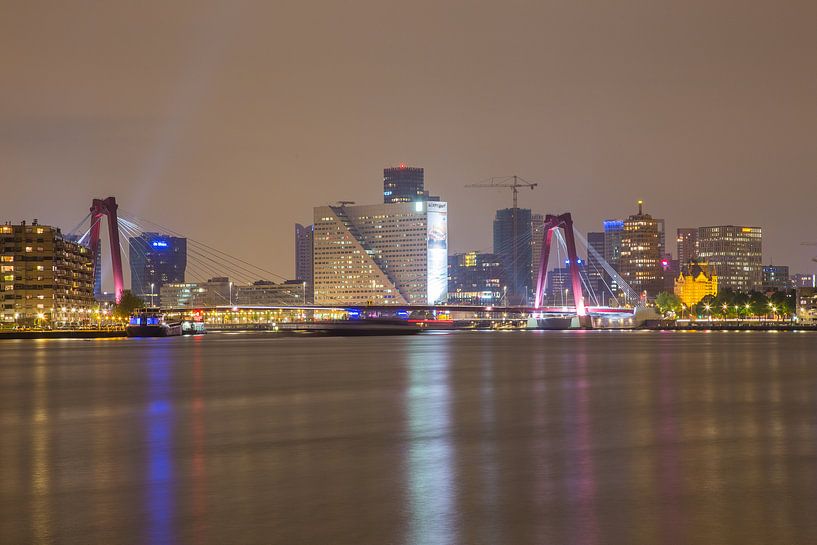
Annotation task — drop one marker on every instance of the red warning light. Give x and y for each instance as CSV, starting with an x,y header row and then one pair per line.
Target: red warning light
x,y
402,165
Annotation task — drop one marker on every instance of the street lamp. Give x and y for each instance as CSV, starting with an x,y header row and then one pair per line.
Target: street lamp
x,y
231,293
152,302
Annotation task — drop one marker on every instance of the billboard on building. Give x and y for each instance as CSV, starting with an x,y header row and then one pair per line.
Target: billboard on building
x,y
437,240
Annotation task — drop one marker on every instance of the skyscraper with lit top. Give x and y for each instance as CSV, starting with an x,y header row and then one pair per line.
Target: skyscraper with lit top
x,y
155,260
403,184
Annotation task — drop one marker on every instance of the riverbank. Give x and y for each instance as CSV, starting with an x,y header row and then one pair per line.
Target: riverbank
x,y
63,334
705,325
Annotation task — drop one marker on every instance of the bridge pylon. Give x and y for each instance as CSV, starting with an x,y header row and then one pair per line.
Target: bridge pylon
x,y
107,207
565,222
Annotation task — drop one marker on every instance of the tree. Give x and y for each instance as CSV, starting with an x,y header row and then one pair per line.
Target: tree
x,y
758,304
127,304
782,303
706,307
668,303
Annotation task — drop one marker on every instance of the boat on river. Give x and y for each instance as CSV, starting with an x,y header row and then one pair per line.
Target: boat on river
x,y
152,323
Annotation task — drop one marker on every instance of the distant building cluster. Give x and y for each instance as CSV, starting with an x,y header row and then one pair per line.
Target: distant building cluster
x,y
397,253
390,253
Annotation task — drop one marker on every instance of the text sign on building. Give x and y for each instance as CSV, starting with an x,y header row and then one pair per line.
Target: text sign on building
x,y
437,240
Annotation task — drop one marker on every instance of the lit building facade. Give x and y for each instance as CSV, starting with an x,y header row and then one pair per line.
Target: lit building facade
x,y
687,239
269,294
806,298
179,294
735,252
640,257
155,260
475,279
381,254
694,282
44,276
218,291
515,254
304,237
801,280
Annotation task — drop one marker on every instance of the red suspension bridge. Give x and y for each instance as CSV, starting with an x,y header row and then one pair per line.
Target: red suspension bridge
x,y
207,261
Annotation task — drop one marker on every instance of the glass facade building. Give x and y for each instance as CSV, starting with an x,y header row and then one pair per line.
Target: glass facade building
x,y
155,259
735,253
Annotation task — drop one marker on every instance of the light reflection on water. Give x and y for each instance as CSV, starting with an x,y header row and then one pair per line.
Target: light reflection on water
x,y
430,478
158,416
40,466
453,439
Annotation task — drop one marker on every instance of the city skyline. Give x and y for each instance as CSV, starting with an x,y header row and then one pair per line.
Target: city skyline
x,y
187,129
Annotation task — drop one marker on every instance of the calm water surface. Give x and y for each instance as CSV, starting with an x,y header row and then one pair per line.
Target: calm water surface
x,y
463,438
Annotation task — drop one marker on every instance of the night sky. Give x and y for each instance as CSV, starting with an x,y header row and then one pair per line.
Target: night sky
x,y
229,121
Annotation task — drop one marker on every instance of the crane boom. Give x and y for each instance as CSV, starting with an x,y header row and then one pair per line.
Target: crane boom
x,y
810,244
513,183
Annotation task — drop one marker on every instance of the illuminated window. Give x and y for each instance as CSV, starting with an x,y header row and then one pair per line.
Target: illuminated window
x,y
29,249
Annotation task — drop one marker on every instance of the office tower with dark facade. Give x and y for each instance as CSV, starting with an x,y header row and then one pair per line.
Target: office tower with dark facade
x,y
613,230
537,233
640,260
514,253
155,260
735,252
304,244
475,279
403,184
687,239
598,278
559,285
776,277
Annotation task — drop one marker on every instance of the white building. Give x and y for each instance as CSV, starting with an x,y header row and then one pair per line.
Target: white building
x,y
268,294
381,254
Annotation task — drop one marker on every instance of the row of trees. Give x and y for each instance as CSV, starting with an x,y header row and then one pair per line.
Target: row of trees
x,y
730,304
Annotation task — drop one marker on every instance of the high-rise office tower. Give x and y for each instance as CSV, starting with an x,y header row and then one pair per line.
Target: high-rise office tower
x,y
381,254
403,184
304,236
687,244
598,277
613,230
537,233
155,260
640,260
512,237
735,252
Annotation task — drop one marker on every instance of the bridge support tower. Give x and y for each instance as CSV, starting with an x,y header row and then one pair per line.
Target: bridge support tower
x,y
107,207
565,222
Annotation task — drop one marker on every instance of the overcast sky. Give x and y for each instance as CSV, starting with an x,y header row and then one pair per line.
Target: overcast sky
x,y
228,121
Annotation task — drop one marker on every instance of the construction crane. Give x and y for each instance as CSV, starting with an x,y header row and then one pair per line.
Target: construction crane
x,y
513,183
810,244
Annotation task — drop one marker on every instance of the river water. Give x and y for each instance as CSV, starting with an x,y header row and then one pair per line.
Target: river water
x,y
457,438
